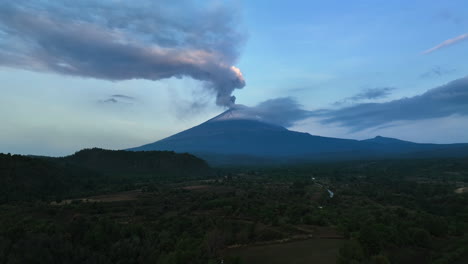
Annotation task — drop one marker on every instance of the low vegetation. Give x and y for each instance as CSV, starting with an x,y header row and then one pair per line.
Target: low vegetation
x,y
71,210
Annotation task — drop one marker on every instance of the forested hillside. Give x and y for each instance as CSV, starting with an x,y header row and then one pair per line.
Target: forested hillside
x,y
24,178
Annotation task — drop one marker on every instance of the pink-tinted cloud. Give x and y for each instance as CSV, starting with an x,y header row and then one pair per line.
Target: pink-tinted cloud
x,y
124,40
447,43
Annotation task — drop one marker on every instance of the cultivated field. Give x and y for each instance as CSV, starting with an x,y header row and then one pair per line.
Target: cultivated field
x,y
318,251
106,198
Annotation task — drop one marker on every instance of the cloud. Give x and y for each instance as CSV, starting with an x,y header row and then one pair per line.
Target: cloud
x,y
185,109
284,111
122,40
119,98
373,93
437,71
447,43
449,16
368,94
110,100
444,130
447,100
122,96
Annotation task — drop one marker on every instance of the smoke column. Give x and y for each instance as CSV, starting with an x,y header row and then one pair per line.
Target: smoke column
x,y
122,40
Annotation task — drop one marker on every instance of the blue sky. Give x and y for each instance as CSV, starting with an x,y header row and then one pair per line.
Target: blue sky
x,y
327,55
336,48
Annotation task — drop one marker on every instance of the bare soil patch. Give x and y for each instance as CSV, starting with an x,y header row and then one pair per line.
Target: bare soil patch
x,y
105,198
461,190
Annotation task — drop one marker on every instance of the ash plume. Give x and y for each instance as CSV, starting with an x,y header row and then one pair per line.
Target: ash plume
x,y
447,100
282,111
123,40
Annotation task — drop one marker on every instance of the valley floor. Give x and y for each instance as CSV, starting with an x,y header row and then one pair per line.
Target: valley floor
x,y
381,212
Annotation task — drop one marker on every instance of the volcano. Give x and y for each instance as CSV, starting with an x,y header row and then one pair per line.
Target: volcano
x,y
236,137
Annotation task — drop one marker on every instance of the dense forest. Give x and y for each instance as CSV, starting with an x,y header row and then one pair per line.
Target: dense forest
x,y
91,171
100,206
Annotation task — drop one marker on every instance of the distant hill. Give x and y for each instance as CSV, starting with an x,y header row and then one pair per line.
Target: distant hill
x,y
26,178
388,141
147,162
231,138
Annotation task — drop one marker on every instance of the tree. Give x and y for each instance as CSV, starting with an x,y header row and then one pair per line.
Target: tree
x,y
421,237
380,259
350,252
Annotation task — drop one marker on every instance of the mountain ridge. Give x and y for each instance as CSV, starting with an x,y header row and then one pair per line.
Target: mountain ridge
x,y
231,134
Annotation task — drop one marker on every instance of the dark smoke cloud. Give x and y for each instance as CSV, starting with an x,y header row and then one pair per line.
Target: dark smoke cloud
x,y
373,93
284,111
122,96
449,16
122,40
368,94
447,100
443,101
119,99
110,100
437,71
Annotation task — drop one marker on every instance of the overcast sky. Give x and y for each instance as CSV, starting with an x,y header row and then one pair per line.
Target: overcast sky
x,y
118,74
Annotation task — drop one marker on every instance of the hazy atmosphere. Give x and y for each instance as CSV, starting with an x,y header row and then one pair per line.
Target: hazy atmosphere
x,y
234,131
117,74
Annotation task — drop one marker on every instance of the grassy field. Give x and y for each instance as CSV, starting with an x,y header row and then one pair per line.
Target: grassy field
x,y
106,198
318,251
